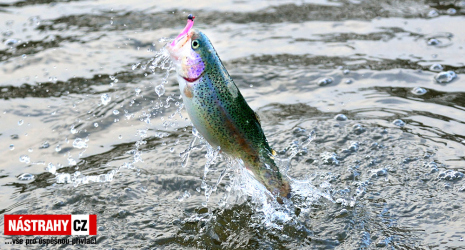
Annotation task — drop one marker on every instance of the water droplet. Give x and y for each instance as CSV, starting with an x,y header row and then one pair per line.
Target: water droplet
x,y
20,122
419,91
120,137
358,129
26,177
115,112
58,148
14,136
95,124
30,150
25,159
445,76
325,81
137,90
79,143
349,81
134,66
12,147
172,150
24,56
398,122
105,98
340,117
346,71
160,90
436,67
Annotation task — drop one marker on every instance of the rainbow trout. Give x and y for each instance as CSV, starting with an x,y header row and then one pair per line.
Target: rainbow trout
x,y
219,112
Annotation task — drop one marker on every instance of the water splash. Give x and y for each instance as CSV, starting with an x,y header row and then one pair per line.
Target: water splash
x,y
105,98
240,186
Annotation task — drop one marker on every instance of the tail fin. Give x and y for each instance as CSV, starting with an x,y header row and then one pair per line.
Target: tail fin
x,y
268,174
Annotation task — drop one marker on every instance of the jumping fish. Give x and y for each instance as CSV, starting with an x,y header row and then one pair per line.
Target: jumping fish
x,y
218,110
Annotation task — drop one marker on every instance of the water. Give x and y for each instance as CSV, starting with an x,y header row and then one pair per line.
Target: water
x,y
384,169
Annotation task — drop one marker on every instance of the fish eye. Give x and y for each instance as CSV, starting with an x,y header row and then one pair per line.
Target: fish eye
x,y
195,44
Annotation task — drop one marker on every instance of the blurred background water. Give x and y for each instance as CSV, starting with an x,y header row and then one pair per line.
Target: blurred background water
x,y
86,126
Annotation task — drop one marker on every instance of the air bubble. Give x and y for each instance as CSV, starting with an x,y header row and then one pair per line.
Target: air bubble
x,y
11,42
445,76
325,81
436,67
450,175
419,91
433,13
451,11
79,143
433,42
25,159
329,158
340,117
358,129
45,145
398,123
26,177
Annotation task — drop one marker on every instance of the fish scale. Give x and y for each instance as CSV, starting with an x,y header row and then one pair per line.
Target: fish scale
x,y
219,111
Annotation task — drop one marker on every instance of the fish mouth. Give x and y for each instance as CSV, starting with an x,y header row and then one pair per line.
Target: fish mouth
x,y
192,79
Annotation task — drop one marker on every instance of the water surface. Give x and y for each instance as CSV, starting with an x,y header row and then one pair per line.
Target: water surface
x,y
79,111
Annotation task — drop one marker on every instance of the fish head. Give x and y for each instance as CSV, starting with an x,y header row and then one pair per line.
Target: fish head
x,y
189,51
